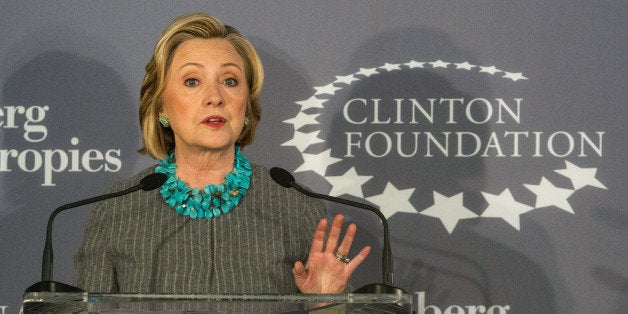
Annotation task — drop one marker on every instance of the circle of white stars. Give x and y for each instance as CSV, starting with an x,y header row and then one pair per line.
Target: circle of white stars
x,y
448,209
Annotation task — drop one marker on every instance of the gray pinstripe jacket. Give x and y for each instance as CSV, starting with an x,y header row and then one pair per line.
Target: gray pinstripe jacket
x,y
137,244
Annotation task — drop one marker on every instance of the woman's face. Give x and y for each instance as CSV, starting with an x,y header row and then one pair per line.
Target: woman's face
x,y
206,95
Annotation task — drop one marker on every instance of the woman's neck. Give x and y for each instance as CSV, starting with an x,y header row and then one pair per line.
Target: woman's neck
x,y
207,167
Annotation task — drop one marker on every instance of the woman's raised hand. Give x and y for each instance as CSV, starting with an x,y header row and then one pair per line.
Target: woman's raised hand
x,y
328,267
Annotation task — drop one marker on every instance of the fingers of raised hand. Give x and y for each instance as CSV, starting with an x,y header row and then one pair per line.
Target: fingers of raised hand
x,y
334,234
347,241
319,237
358,259
339,249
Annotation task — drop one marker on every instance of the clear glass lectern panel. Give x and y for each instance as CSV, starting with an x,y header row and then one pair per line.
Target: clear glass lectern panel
x,y
50,302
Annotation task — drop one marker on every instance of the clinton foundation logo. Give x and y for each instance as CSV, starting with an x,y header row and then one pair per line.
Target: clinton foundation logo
x,y
448,141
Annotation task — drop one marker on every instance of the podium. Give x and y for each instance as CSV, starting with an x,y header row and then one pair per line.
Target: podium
x,y
82,302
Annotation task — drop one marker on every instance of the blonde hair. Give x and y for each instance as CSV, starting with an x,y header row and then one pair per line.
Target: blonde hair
x,y
158,140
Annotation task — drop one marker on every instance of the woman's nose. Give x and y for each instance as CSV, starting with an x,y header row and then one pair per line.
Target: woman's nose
x,y
214,95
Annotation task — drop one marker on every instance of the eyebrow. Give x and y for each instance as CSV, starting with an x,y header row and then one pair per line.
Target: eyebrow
x,y
226,65
198,65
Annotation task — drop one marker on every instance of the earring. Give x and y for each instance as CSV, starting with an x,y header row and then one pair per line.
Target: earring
x,y
246,121
164,121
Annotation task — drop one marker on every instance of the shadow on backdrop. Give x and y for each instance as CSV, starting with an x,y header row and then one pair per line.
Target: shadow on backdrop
x,y
284,84
87,100
463,266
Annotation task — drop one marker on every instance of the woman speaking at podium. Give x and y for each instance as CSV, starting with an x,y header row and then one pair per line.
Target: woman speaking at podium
x,y
219,224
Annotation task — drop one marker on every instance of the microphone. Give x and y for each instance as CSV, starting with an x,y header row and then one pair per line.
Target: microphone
x,y
286,180
148,183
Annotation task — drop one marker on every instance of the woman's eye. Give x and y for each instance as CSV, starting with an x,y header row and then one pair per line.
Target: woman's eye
x,y
191,82
231,82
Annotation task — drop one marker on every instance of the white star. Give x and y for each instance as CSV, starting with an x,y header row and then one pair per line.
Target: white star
x,y
367,72
515,76
491,70
302,119
302,140
327,89
317,162
581,177
504,206
346,79
465,65
413,64
311,102
547,195
390,67
393,200
449,210
439,64
349,183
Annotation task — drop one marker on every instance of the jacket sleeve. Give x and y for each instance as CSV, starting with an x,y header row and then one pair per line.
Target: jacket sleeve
x,y
94,269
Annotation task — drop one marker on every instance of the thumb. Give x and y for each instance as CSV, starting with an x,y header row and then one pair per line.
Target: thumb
x,y
298,271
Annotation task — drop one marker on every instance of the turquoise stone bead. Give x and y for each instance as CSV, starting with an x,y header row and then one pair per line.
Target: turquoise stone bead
x,y
180,210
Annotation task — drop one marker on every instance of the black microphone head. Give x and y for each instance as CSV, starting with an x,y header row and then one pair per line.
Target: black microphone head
x,y
282,177
153,181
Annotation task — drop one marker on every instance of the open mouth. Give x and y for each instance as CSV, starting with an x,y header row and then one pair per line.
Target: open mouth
x,y
214,121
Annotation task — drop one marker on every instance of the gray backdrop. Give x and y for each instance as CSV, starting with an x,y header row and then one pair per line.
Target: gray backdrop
x,y
491,134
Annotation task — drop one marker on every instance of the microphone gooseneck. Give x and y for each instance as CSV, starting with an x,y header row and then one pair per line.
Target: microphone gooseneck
x,y
285,179
148,183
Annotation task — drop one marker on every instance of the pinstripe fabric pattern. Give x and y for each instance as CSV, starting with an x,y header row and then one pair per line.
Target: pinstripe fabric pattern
x,y
137,244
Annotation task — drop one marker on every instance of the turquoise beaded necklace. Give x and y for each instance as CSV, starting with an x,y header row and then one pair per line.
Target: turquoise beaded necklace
x,y
213,200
